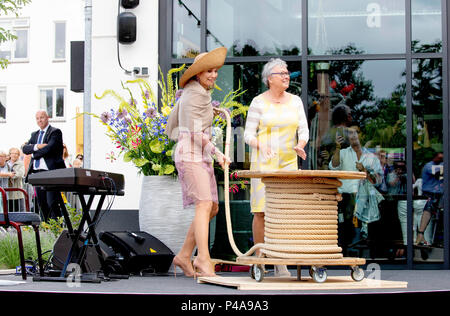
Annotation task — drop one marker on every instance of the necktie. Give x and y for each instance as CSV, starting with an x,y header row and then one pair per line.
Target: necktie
x,y
37,161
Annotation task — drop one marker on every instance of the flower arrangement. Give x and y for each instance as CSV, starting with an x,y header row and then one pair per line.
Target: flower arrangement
x,y
137,131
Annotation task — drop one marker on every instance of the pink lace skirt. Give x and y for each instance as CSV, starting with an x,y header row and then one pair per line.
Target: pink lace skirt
x,y
195,172
198,182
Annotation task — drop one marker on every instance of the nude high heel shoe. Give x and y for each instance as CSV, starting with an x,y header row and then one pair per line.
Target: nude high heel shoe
x,y
187,269
199,272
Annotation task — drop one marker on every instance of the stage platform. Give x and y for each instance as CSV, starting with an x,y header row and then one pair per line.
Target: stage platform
x,y
181,292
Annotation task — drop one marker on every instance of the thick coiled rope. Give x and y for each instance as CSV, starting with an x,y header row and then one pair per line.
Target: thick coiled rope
x,y
301,218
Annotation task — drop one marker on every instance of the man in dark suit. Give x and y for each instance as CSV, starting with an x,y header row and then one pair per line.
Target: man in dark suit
x,y
46,149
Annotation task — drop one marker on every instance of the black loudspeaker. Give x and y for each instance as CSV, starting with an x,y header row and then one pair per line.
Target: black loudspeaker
x,y
61,251
77,66
139,251
126,28
130,4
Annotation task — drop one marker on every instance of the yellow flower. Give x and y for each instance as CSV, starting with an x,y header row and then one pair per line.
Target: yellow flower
x,y
166,110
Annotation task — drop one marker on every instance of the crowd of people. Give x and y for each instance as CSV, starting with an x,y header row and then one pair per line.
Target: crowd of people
x,y
14,166
385,185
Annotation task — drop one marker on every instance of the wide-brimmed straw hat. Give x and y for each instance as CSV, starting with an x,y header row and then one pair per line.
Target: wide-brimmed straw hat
x,y
203,62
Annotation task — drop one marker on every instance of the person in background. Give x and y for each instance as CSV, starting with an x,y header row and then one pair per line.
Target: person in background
x,y
5,174
66,157
277,132
46,149
77,163
16,199
354,158
341,119
433,188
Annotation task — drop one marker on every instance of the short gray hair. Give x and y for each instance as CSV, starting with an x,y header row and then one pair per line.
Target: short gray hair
x,y
267,69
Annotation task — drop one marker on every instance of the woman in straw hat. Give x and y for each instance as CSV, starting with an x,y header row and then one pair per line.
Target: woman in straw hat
x,y
277,130
190,124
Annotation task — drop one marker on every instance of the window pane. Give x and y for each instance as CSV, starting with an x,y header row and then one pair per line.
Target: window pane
x,y
255,27
369,26
364,103
47,101
428,165
426,26
3,104
21,42
5,47
59,102
186,28
60,40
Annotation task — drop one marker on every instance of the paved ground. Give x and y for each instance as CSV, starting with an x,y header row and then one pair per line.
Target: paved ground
x,y
180,293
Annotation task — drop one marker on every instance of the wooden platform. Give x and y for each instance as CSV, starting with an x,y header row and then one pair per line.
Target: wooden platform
x,y
346,261
291,283
302,174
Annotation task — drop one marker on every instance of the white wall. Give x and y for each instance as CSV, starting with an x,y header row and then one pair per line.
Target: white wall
x,y
106,74
22,80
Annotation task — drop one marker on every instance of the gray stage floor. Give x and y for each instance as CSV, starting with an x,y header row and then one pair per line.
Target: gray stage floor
x,y
181,295
418,281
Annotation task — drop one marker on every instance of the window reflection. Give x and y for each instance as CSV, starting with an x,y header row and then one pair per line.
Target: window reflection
x,y
255,27
426,23
186,28
428,158
248,77
357,119
372,26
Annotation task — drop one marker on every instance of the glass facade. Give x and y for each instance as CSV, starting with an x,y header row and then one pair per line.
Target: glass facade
x,y
374,72
372,26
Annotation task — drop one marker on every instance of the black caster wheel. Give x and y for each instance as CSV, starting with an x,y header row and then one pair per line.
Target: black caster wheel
x,y
357,274
319,274
257,272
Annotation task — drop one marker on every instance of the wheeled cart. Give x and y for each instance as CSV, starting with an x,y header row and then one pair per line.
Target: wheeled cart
x,y
317,267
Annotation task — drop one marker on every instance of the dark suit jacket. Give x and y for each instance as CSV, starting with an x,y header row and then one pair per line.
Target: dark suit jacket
x,y
52,153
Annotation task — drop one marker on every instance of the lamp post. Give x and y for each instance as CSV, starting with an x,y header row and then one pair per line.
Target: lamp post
x,y
87,84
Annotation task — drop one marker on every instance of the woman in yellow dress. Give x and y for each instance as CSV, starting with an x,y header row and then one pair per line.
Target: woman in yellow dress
x,y
277,132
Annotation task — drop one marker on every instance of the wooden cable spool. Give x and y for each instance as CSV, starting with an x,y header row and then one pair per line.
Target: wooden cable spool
x,y
288,217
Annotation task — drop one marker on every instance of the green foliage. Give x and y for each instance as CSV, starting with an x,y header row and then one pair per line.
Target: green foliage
x,y
9,7
234,107
9,247
56,226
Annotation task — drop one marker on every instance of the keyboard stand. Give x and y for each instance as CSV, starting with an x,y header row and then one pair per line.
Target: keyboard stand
x,y
76,253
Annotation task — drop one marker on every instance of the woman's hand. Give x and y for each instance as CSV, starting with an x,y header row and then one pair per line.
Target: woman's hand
x,y
222,159
300,151
266,152
360,167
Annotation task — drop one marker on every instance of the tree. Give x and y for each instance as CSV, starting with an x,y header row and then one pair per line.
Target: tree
x,y
9,7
